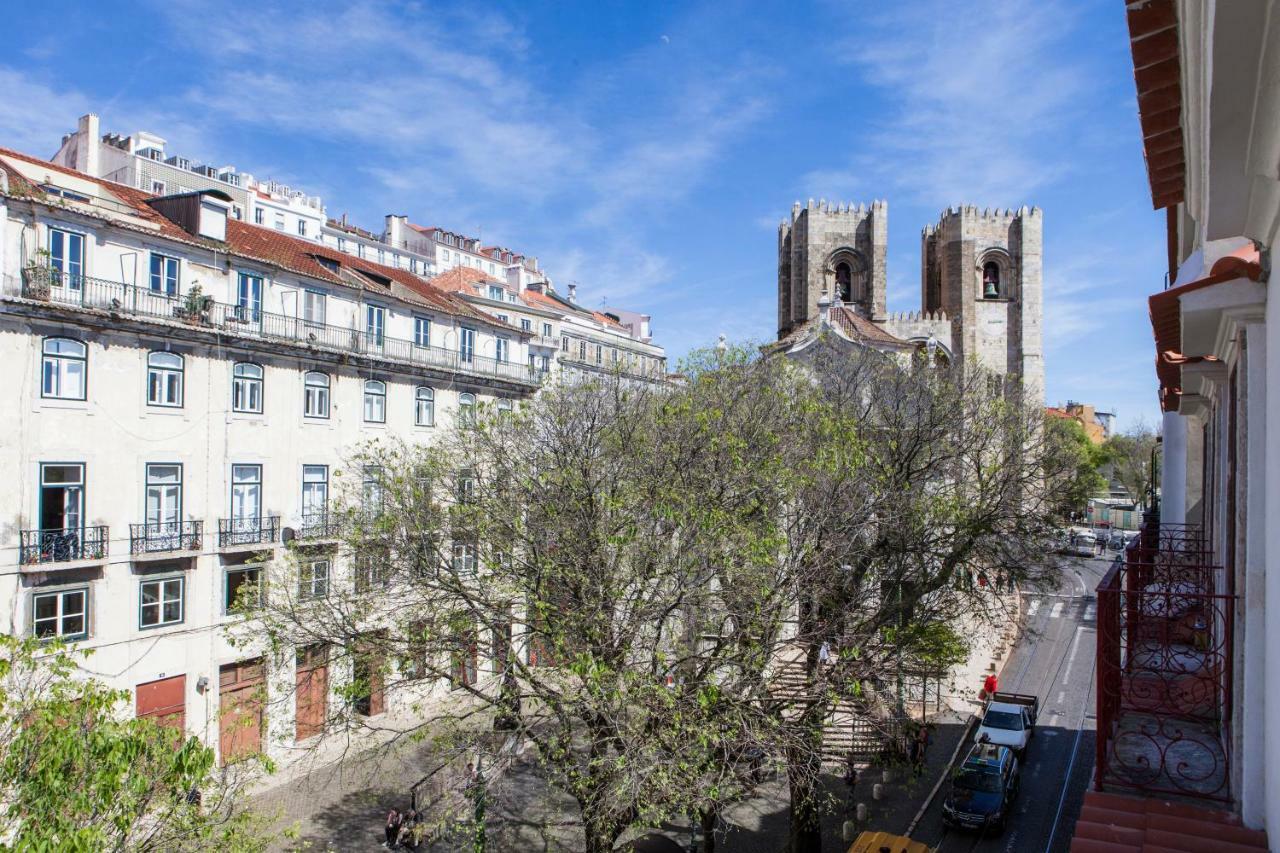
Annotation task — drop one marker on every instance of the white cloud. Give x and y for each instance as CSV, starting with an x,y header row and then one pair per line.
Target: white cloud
x,y
34,115
975,96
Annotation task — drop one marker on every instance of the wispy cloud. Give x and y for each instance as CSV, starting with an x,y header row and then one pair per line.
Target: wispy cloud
x,y
973,98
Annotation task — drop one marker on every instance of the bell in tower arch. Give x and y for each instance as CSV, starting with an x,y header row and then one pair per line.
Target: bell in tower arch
x,y
990,280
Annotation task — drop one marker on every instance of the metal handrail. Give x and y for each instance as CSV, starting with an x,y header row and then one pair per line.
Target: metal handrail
x,y
50,285
59,545
158,536
248,531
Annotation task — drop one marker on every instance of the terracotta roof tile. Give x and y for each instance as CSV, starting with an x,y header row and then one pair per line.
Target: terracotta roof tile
x,y
269,246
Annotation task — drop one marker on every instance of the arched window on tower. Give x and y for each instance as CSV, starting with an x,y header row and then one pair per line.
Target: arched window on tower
x,y
991,281
844,282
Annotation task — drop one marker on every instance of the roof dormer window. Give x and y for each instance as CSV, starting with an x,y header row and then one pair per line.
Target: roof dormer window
x,y
59,192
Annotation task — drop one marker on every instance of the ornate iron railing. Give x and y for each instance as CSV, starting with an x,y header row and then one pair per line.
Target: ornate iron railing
x,y
319,525
1164,669
50,285
248,531
160,536
62,546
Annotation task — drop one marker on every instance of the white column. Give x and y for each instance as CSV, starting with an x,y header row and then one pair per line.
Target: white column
x,y
1252,512
1271,690
1173,474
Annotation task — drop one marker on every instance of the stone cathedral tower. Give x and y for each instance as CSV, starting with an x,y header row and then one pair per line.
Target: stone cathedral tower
x,y
980,285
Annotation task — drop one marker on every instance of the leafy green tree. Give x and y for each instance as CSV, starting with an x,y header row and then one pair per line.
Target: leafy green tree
x,y
1129,454
1078,462
79,773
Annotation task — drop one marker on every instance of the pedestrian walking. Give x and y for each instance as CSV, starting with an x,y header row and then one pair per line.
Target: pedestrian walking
x,y
851,778
393,828
922,747
824,654
990,684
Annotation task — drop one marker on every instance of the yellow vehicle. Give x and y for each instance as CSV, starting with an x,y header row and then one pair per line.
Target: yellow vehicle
x,y
883,842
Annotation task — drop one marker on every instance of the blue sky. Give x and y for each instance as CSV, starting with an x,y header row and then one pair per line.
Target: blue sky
x,y
648,151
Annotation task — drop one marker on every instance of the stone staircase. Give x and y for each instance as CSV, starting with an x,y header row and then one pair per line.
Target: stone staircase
x,y
862,725
1112,823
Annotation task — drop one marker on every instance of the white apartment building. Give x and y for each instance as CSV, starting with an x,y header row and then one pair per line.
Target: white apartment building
x,y
1189,683
141,161
185,390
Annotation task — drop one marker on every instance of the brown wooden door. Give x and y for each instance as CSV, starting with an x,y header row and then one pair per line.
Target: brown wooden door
x,y
311,691
240,698
164,701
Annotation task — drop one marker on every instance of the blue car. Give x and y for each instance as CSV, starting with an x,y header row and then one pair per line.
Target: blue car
x,y
983,790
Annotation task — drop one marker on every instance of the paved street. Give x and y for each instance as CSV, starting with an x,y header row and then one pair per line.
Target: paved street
x,y
1055,661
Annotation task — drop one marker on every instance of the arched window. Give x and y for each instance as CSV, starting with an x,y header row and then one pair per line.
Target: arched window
x,y
991,281
246,387
315,395
844,282
63,369
467,409
164,379
504,407
424,406
375,402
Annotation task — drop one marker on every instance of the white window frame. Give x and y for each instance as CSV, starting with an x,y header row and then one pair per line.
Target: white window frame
x,y
467,409
165,586
165,381
375,401
424,406
316,393
246,389
56,368
165,281
312,584
61,614
254,570
422,332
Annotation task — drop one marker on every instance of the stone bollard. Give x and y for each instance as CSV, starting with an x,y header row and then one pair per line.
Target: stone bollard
x,y
849,830
877,791
861,812
887,776
991,667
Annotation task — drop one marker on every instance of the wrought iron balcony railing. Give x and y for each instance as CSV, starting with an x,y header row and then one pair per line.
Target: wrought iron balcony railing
x,y
248,531
50,285
1164,668
161,536
63,546
318,525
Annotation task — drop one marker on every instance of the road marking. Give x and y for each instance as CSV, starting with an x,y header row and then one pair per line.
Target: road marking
x,y
1062,694
1090,612
1057,610
1075,647
1033,607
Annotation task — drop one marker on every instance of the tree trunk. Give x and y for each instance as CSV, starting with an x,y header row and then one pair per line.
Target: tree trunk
x,y
803,769
709,830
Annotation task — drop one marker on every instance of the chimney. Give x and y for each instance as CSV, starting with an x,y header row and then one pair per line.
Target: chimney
x,y
395,230
535,286
573,292
88,157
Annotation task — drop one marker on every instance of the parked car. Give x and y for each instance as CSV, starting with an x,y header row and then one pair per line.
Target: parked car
x,y
1083,542
983,790
1009,720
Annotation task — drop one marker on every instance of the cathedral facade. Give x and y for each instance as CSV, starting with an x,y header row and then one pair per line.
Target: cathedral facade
x,y
981,299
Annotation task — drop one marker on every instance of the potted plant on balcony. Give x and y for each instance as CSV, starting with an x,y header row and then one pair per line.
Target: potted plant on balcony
x,y
39,276
194,309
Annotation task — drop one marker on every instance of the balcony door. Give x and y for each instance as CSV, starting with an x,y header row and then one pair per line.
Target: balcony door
x,y
66,257
375,323
164,503
61,497
249,299
246,499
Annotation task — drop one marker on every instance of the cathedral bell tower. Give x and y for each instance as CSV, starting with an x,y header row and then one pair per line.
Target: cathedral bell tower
x,y
833,249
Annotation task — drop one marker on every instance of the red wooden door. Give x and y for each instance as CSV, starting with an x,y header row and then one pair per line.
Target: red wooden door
x,y
312,691
164,701
240,697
